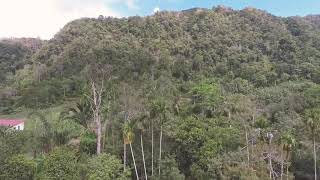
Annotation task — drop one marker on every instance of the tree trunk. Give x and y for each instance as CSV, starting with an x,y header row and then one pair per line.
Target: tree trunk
x,y
287,170
144,162
98,136
112,136
103,140
315,157
124,156
270,167
248,150
229,118
152,143
270,161
282,161
134,162
104,134
160,152
96,109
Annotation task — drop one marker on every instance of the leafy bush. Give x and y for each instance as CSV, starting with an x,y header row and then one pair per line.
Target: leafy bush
x,y
60,164
88,143
106,167
18,167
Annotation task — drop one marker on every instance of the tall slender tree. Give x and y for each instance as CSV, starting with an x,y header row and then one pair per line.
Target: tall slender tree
x,y
287,143
128,138
160,110
132,110
312,120
141,127
97,75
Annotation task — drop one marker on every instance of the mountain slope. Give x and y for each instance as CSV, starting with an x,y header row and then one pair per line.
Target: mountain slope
x,y
223,41
14,54
224,88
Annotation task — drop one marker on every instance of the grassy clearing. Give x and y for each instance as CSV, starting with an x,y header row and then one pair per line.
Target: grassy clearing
x,y
23,113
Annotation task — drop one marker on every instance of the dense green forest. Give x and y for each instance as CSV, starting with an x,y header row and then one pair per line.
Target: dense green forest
x,y
198,94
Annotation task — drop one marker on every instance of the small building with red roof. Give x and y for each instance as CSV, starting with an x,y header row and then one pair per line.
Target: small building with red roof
x,y
17,124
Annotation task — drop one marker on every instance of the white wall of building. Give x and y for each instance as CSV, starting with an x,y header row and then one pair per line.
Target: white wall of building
x,y
19,127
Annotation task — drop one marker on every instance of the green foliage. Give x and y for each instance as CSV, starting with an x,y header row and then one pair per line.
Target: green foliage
x,y
214,82
11,143
106,167
170,170
199,141
14,54
43,94
128,131
206,93
241,173
288,141
88,143
18,167
205,97
262,123
312,120
80,113
60,163
312,95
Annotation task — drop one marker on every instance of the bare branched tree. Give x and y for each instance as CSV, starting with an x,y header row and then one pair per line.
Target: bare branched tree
x,y
98,74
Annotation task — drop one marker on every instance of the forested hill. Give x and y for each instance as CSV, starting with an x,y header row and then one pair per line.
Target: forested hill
x,y
14,52
219,42
229,94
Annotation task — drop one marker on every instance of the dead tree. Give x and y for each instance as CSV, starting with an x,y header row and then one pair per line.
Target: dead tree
x,y
98,74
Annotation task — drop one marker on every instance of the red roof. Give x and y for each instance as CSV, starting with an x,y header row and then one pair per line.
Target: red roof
x,y
10,122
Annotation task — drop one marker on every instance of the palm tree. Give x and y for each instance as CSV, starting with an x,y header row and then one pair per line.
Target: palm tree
x,y
128,138
160,109
312,120
81,113
46,136
141,127
287,142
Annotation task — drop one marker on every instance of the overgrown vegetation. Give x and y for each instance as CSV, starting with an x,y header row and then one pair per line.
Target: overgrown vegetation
x,y
197,94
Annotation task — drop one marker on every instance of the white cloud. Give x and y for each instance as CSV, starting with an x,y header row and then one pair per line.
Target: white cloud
x,y
131,4
43,18
156,9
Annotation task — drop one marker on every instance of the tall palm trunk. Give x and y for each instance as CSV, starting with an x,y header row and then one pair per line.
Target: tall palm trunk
x,y
160,152
152,143
134,161
124,156
144,162
315,157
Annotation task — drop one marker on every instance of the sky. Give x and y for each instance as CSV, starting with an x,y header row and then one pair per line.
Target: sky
x,y
44,18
